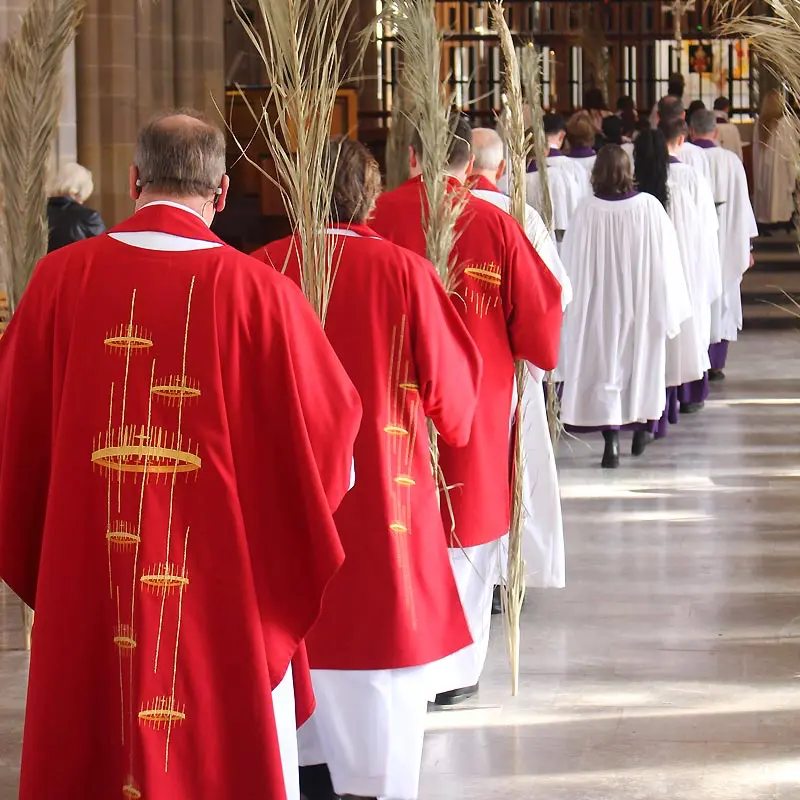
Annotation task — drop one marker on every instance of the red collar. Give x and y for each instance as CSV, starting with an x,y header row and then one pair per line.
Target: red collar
x,y
168,219
452,183
481,183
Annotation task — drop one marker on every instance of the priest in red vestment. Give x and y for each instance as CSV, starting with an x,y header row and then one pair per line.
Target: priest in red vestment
x,y
176,433
393,612
511,304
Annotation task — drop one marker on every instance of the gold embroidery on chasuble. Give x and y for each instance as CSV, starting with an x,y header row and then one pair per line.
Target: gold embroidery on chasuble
x,y
135,457
403,402
482,290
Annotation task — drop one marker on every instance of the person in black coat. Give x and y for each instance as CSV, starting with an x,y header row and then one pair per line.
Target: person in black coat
x,y
68,219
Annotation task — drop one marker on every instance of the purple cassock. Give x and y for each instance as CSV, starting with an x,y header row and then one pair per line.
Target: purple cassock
x,y
718,354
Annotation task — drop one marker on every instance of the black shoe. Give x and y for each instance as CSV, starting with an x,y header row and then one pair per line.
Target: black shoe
x,y
716,375
611,453
692,408
497,601
316,784
640,441
455,696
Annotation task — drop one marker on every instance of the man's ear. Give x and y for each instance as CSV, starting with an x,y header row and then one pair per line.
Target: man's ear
x,y
412,157
501,170
134,188
222,197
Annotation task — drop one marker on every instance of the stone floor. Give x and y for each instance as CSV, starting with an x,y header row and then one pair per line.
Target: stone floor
x,y
670,667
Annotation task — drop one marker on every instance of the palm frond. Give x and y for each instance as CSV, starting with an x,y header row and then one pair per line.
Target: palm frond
x,y
531,77
302,59
516,142
399,138
30,103
775,40
418,37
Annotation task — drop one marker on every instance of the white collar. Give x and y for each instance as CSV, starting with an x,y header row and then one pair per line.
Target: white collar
x,y
171,204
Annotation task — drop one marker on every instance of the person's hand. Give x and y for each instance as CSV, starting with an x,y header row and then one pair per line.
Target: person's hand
x,y
752,260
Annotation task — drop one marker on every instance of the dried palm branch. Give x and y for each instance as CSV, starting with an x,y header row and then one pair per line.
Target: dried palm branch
x,y
431,105
516,142
419,39
399,138
303,65
775,40
531,75
30,103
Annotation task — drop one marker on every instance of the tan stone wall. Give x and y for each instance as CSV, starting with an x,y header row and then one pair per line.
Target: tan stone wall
x,y
136,58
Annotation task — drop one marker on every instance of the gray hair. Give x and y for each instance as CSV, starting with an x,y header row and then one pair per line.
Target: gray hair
x,y
180,153
704,121
72,180
487,148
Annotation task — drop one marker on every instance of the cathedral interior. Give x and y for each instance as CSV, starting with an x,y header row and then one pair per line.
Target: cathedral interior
x,y
668,666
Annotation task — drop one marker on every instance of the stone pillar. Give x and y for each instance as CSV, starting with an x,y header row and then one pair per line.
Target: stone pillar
x,y
199,77
137,58
107,100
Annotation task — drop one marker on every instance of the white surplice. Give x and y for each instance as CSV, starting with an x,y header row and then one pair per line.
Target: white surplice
x,y
728,136
629,296
543,530
692,211
565,194
695,157
775,168
737,227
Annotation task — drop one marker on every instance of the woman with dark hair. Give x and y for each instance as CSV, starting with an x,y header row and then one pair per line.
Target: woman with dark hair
x,y
651,165
629,296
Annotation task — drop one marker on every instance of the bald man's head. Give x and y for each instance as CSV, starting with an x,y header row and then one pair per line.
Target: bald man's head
x,y
180,154
487,148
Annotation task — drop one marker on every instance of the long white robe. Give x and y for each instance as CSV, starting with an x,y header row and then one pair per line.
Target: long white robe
x,y
629,296
695,157
584,169
565,194
737,226
543,530
728,136
692,211
775,167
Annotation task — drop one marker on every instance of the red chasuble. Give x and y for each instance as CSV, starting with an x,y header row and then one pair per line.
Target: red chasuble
x,y
176,429
511,304
394,603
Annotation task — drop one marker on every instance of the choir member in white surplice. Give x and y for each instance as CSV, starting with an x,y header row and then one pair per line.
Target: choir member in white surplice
x,y
651,175
775,156
728,133
694,214
622,256
737,226
543,532
566,178
669,108
581,138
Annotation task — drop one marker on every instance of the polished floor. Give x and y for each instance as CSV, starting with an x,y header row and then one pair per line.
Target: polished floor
x,y
670,666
